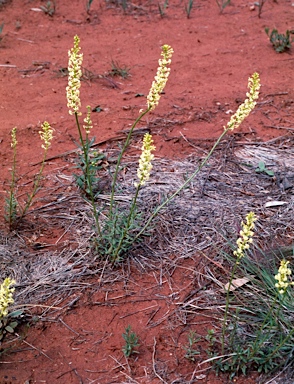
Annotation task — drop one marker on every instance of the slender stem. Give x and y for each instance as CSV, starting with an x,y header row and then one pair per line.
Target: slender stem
x,y
83,145
127,227
111,232
114,180
36,185
88,181
155,213
227,306
12,206
279,346
13,169
255,346
126,144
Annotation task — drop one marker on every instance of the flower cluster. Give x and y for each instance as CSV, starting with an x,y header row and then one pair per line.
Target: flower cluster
x,y
161,77
246,234
248,105
282,277
146,157
6,296
46,135
13,138
88,121
74,74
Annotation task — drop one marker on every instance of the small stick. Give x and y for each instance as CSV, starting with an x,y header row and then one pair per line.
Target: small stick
x,y
8,66
71,370
153,363
68,327
192,145
64,233
277,94
277,127
153,315
119,363
37,349
27,41
139,310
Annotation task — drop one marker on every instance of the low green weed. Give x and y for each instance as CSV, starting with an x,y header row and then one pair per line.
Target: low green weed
x,y
9,323
162,8
191,352
189,7
49,8
88,5
1,30
262,169
280,42
118,3
211,339
222,4
131,342
124,4
119,70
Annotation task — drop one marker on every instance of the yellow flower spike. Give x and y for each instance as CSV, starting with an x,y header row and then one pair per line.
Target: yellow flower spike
x,y
6,296
246,234
74,74
282,277
13,138
161,77
244,109
146,157
46,135
88,121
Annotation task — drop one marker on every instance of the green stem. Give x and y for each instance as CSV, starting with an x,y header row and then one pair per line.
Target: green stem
x,y
126,144
13,169
36,185
83,146
127,227
88,183
155,213
255,345
279,346
227,306
12,207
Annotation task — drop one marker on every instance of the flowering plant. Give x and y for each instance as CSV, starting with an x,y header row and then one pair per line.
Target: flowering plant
x,y
6,296
120,230
14,213
282,277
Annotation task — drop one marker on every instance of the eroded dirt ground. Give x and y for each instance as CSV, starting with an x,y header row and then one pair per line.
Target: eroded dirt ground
x,y
214,54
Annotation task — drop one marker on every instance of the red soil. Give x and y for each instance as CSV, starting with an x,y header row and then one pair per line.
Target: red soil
x,y
214,54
